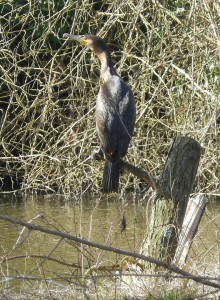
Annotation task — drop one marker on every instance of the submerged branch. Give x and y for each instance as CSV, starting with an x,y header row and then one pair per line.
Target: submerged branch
x,y
45,257
149,259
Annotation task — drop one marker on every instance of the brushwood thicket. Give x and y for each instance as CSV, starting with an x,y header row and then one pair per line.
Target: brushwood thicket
x,y
168,52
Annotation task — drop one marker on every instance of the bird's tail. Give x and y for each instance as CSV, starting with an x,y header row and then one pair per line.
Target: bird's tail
x,y
110,178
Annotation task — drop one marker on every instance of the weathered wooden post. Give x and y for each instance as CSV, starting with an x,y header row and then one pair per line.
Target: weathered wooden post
x,y
171,197
193,215
172,192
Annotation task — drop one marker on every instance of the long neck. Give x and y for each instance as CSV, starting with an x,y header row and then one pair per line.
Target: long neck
x,y
107,69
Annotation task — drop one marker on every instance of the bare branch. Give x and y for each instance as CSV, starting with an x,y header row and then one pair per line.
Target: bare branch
x,y
136,171
45,257
172,268
139,172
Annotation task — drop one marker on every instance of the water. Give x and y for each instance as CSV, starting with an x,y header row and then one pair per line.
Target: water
x,y
95,219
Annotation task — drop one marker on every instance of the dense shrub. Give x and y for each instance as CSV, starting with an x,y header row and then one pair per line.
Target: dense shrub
x,y
168,51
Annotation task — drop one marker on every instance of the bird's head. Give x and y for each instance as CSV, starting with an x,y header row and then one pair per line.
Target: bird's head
x,y
90,41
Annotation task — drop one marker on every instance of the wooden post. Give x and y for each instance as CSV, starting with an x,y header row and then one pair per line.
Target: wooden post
x,y
170,201
172,192
194,212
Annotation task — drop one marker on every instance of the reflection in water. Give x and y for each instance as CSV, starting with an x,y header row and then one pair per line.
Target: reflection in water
x,y
97,219
94,219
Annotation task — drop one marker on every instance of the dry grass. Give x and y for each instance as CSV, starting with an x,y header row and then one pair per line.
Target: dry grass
x,y
167,51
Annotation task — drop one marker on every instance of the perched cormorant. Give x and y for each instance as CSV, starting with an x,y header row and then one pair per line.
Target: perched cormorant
x,y
115,112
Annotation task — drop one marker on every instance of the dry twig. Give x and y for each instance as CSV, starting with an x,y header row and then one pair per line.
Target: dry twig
x,y
172,268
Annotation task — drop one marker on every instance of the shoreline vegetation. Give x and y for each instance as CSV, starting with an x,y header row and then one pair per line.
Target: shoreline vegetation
x,y
167,52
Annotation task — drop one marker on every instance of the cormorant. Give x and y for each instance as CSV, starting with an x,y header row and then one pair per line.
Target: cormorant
x,y
115,112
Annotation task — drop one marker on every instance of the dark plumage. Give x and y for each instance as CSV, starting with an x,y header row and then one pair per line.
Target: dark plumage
x,y
115,112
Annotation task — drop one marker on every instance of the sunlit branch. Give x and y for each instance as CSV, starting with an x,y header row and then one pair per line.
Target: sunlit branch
x,y
149,259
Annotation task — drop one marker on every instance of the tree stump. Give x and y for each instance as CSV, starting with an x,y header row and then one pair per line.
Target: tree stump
x,y
171,198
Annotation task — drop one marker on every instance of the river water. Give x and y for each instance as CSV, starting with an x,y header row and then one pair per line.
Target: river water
x,y
26,253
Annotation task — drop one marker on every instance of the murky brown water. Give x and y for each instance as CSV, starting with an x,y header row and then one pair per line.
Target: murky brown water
x,y
96,219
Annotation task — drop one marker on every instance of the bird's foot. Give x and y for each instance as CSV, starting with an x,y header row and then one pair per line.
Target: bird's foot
x,y
97,154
